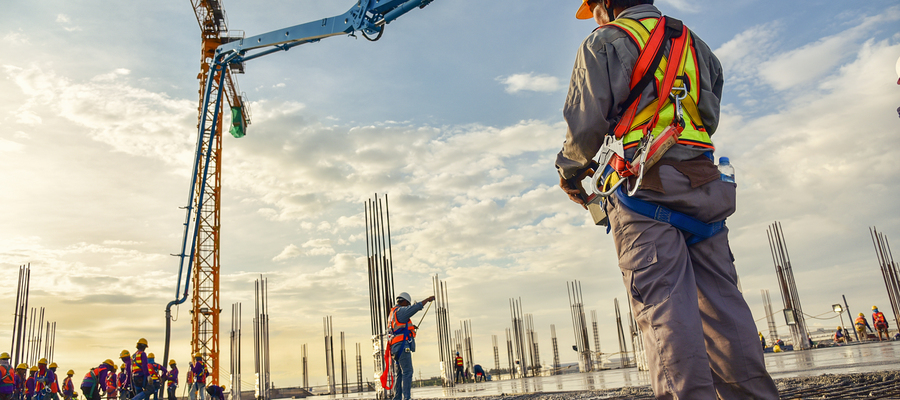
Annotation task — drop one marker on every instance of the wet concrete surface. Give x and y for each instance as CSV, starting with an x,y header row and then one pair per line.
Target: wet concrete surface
x,y
846,359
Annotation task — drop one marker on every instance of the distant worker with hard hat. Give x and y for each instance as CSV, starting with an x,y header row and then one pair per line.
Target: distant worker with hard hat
x,y
216,392
881,324
862,325
460,368
125,379
31,383
20,392
839,336
95,380
68,388
112,386
7,378
403,341
199,373
668,201
157,373
140,371
53,380
172,380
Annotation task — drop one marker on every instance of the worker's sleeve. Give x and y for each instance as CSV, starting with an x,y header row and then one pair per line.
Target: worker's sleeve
x,y
712,80
600,80
405,313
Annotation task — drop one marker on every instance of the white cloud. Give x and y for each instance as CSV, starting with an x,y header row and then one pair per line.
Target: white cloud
x,y
530,82
16,38
10,146
288,253
62,18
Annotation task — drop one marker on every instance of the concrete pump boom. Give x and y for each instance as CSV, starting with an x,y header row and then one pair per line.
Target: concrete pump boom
x,y
368,16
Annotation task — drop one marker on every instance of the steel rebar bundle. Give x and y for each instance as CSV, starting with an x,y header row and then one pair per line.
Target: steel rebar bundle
x,y
329,355
261,338
509,354
235,351
496,370
579,325
782,260
20,316
359,374
597,359
889,270
381,277
770,315
555,370
344,386
518,330
533,350
305,362
466,341
442,324
623,348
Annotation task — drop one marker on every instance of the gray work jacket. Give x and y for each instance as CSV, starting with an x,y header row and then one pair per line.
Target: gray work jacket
x,y
601,82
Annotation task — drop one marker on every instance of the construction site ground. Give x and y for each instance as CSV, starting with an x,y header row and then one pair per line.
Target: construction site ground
x,y
868,370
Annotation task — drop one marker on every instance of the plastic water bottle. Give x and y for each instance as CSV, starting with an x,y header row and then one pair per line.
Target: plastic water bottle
x,y
726,170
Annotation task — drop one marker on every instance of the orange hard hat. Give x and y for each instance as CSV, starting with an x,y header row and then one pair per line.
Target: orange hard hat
x,y
584,12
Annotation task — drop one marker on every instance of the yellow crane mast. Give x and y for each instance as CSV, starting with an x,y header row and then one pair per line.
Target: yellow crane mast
x,y
205,308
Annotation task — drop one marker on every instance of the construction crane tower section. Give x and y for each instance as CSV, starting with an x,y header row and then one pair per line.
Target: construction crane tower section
x,y
205,308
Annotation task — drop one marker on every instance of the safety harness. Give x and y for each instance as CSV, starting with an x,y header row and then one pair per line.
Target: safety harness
x,y
671,118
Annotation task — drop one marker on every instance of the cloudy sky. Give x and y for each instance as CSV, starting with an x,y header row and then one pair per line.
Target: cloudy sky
x,y
456,115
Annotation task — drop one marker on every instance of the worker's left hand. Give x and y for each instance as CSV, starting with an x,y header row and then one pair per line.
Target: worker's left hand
x,y
575,191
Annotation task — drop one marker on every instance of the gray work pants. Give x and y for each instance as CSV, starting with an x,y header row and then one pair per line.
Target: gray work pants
x,y
700,338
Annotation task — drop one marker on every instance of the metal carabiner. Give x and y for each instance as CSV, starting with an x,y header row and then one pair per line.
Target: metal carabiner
x,y
676,100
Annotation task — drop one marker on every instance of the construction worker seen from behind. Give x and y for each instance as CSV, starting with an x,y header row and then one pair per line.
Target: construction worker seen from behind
x,y
403,341
21,369
154,381
198,374
862,327
140,371
7,378
678,270
881,325
839,336
31,383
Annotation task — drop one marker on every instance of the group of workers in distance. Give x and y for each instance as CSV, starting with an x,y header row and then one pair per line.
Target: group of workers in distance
x,y
140,377
461,374
863,328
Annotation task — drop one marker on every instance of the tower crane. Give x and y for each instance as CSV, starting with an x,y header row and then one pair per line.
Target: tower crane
x,y
222,56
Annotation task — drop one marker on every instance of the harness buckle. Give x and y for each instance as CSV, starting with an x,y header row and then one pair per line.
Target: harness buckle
x,y
682,93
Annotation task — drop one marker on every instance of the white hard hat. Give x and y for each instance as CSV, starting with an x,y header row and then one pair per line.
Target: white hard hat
x,y
404,296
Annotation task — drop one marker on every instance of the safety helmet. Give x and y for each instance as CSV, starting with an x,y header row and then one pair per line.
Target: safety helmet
x,y
150,355
42,361
53,365
143,342
70,372
404,296
124,366
124,353
457,353
4,356
171,362
584,12
840,327
223,387
874,307
34,369
198,355
861,315
22,366
110,363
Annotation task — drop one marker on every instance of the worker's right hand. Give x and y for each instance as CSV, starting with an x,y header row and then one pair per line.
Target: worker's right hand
x,y
573,187
428,299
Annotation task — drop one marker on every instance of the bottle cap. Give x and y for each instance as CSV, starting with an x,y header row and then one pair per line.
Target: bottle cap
x,y
724,160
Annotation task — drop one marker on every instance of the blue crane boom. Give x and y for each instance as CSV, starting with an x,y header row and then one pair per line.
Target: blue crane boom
x,y
368,17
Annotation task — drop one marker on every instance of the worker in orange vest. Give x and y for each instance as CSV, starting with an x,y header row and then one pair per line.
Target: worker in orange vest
x,y
403,341
7,378
95,380
68,388
862,325
881,325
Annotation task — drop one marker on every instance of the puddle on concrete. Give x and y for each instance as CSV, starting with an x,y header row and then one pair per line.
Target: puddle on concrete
x,y
853,358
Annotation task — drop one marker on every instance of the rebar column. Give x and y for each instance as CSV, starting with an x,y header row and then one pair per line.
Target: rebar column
x,y
555,350
623,348
782,260
770,315
381,279
496,370
889,270
442,324
579,326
